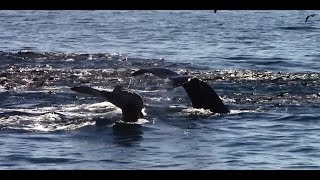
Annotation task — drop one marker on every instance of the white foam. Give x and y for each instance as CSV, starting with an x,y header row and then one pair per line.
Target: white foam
x,y
140,121
46,122
151,91
178,106
160,98
241,111
229,100
197,111
143,111
101,104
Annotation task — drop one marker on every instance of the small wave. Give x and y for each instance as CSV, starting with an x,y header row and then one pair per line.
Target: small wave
x,y
44,160
298,28
239,58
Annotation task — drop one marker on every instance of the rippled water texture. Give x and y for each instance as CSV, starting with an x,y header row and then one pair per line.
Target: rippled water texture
x,y
263,64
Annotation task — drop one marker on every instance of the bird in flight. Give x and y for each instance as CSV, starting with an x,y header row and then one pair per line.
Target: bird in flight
x,y
312,15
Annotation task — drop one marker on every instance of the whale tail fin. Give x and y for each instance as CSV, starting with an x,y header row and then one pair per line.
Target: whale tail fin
x,y
131,112
199,92
203,96
130,103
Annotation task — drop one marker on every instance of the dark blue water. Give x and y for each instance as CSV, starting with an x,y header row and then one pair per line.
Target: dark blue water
x,y
263,64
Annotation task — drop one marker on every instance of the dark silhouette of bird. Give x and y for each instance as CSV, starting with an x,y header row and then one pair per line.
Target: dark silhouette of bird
x,y
312,15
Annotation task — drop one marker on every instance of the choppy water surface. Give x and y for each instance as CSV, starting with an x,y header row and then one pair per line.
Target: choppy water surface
x,y
263,64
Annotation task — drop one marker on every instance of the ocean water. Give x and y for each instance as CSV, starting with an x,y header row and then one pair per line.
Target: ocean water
x,y
265,65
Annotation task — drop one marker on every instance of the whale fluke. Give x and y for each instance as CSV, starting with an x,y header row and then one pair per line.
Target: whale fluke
x,y
203,96
129,102
199,92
